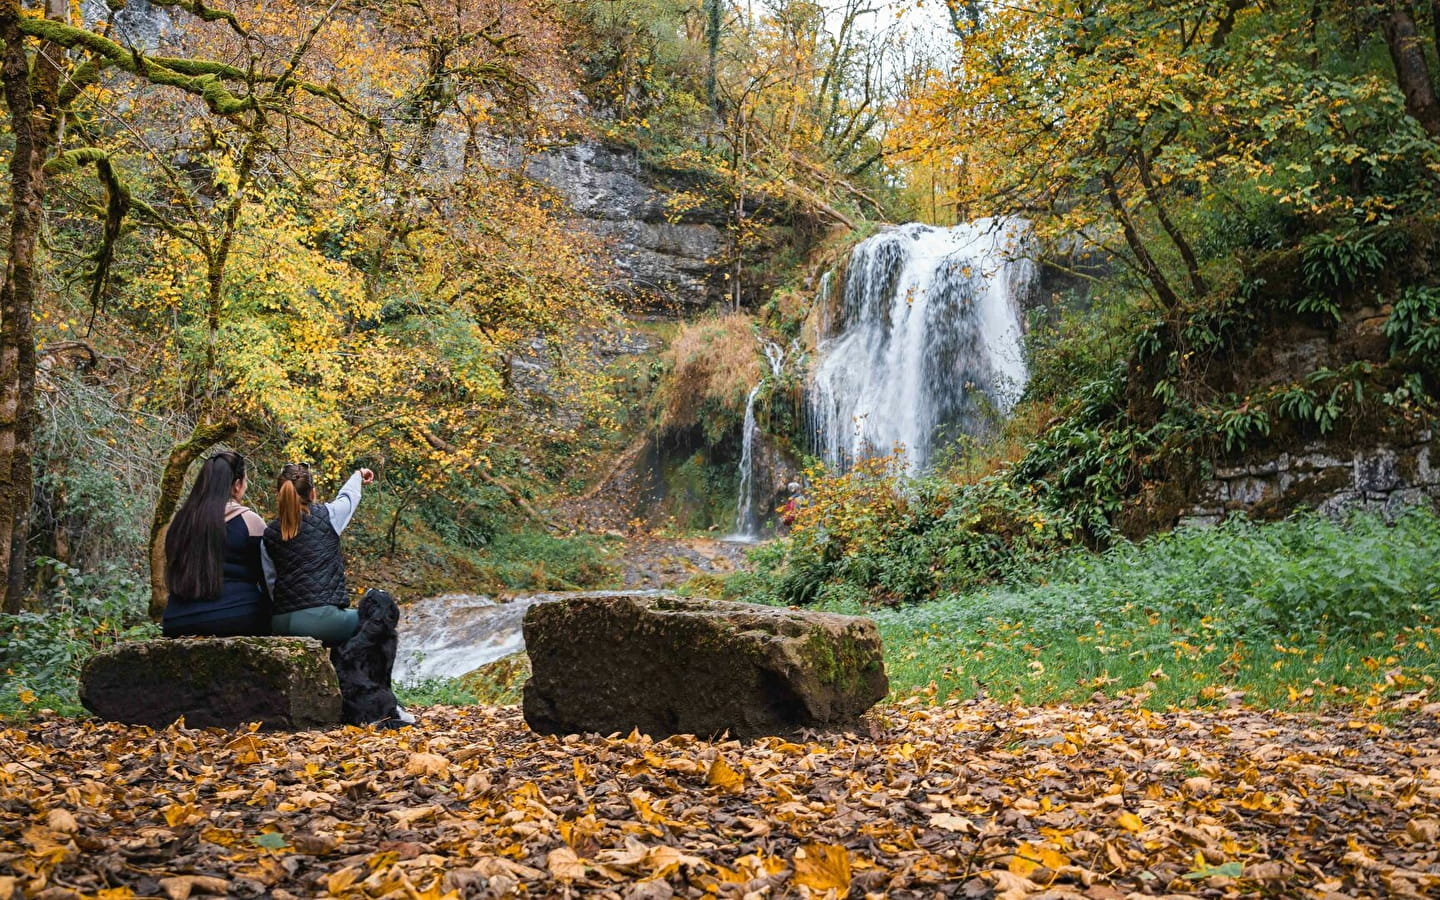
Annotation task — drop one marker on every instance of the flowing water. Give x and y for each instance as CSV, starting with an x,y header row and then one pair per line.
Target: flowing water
x,y
747,517
454,634
929,343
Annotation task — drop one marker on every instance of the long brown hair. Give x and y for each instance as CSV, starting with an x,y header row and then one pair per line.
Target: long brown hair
x,y
195,542
296,490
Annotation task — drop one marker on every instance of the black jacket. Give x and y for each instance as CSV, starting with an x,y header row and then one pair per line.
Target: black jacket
x,y
309,568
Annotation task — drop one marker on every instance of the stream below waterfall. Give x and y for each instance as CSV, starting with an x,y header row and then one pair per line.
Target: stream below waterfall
x,y
455,634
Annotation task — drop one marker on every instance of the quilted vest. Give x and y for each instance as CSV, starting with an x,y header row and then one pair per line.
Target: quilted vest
x,y
309,570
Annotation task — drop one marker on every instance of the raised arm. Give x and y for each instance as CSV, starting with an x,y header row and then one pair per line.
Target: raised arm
x,y
342,508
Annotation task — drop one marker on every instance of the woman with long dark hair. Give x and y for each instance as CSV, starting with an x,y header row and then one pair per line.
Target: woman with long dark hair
x,y
212,557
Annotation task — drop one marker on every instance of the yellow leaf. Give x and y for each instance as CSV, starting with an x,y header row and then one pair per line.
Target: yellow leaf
x,y
1130,822
822,867
951,822
182,886
336,882
1028,857
564,865
427,764
664,860
724,777
62,820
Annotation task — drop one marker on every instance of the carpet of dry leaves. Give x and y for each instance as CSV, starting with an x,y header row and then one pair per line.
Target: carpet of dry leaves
x,y
974,799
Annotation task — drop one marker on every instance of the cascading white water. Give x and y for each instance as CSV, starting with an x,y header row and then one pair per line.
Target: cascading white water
x,y
745,524
929,342
747,519
822,305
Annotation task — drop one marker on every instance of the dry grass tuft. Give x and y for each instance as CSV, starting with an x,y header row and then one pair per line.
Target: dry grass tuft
x,y
714,359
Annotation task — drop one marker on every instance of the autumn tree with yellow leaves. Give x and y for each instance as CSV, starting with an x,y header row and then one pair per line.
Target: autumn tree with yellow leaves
x,y
320,234
1172,135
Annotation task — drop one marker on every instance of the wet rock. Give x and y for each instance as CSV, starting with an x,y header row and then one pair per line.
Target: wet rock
x,y
281,682
669,665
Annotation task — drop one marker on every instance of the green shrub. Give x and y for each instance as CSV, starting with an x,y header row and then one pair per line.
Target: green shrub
x,y
529,560
95,477
41,652
1414,323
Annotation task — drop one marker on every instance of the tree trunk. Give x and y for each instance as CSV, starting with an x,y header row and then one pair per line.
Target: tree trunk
x,y
1177,237
29,103
1412,70
714,13
205,436
1146,262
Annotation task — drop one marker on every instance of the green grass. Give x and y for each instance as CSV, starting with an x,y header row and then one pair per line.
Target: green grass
x,y
1294,614
529,560
435,692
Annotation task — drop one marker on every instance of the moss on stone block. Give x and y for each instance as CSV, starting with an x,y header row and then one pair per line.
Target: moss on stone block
x,y
280,682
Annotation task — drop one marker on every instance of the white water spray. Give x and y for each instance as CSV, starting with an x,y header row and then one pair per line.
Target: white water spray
x,y
929,344
747,519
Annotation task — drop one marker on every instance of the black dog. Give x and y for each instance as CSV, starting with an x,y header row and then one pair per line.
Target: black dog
x,y
363,663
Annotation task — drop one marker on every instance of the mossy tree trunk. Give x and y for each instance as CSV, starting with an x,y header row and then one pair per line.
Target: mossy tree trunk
x,y
205,436
1412,69
31,98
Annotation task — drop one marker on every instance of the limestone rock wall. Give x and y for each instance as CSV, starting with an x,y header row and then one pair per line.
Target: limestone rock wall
x,y
1383,478
659,258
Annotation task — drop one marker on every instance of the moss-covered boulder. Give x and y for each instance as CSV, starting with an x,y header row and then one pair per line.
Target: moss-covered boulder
x,y
672,665
281,682
500,682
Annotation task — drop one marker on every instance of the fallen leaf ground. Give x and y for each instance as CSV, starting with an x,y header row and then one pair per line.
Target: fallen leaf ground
x,y
973,799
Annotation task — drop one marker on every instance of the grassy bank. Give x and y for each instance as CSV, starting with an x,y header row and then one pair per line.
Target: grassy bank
x,y
1295,614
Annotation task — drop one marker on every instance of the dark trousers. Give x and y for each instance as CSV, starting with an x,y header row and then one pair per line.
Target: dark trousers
x,y
230,626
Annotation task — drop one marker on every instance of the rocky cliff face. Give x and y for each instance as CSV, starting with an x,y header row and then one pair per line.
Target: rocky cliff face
x,y
1380,455
1328,477
659,258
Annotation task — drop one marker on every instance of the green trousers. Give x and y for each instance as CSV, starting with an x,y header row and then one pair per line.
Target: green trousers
x,y
331,624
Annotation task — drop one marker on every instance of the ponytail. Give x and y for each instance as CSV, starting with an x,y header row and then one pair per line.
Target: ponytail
x,y
295,492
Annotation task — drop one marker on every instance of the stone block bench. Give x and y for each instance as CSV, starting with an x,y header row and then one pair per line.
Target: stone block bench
x,y
281,682
670,665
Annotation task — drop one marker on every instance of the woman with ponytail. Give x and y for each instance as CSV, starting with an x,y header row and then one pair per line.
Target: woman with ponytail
x,y
305,572
212,557
304,568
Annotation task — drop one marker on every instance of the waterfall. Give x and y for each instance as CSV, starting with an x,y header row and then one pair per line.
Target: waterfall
x,y
747,518
928,345
746,524
822,304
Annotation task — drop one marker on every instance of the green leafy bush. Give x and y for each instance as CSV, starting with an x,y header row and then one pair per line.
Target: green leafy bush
x,y
529,560
1414,323
1339,259
41,652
